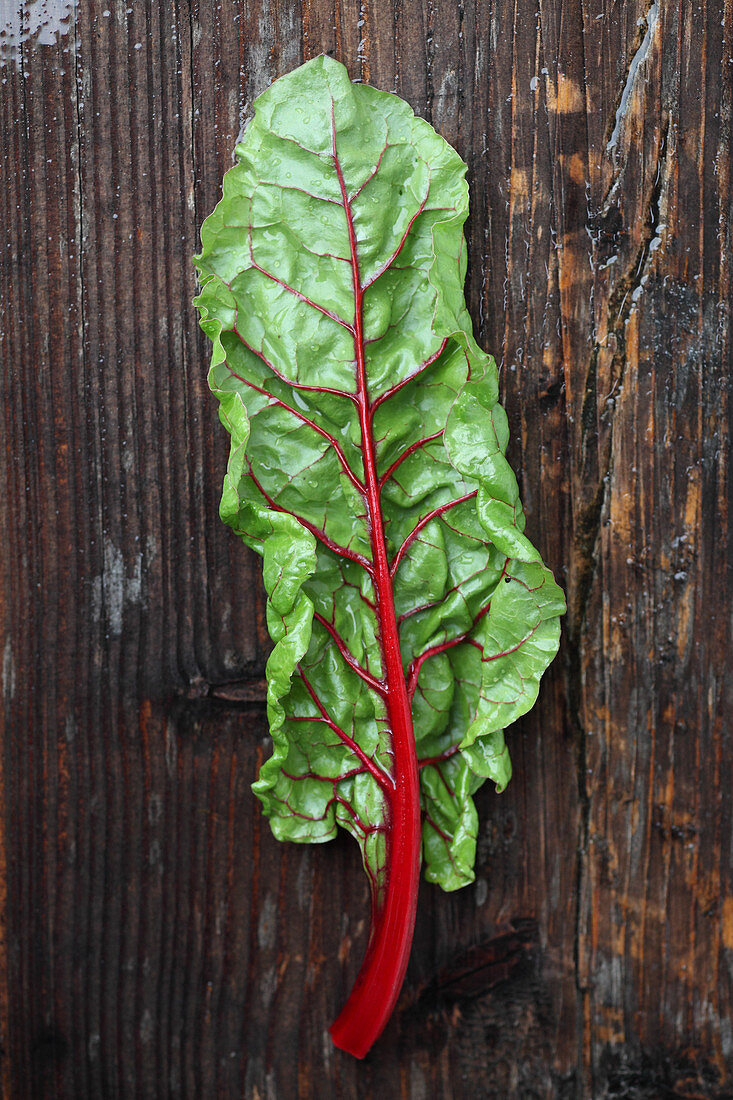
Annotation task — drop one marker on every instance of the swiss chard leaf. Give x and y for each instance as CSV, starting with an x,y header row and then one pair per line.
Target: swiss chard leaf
x,y
411,618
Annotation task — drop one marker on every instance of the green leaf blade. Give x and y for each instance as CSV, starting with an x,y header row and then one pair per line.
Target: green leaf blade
x,y
368,468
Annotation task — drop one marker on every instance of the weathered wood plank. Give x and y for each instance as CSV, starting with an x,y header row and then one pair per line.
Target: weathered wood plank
x,y
108,445
655,652
159,942
41,419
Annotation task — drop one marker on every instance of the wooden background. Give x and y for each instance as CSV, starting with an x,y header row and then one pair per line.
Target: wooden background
x,y
156,941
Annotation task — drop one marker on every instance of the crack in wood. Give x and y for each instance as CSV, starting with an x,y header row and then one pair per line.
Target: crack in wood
x,y
629,286
647,29
235,693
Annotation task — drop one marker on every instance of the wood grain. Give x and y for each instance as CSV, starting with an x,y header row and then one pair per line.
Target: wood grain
x,y
155,941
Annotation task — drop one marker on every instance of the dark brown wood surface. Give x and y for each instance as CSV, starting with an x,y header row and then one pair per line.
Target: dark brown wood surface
x,y
156,940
